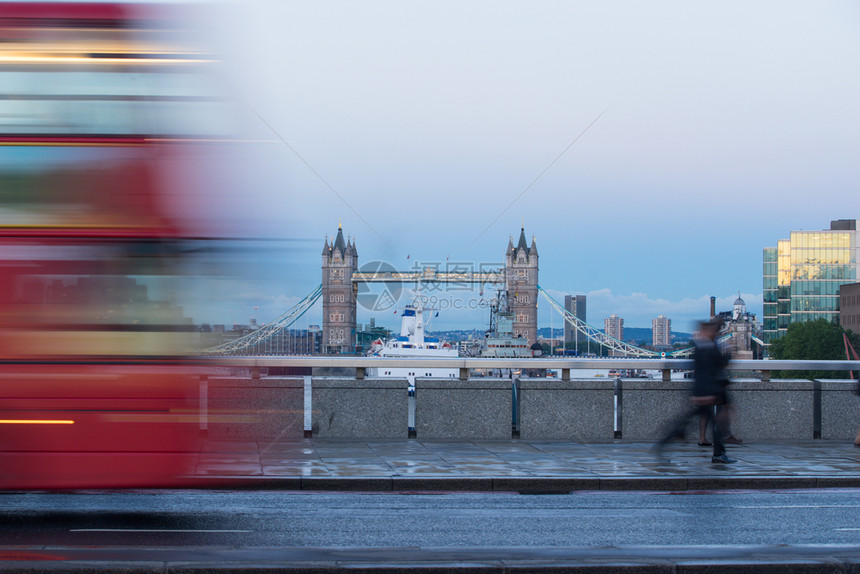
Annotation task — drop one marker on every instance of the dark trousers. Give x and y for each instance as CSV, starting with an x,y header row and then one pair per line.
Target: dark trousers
x,y
714,415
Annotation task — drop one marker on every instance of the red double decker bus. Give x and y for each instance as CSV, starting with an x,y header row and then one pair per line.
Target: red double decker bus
x,y
102,107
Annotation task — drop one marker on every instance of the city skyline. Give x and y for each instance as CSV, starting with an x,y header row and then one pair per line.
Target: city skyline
x,y
459,307
653,150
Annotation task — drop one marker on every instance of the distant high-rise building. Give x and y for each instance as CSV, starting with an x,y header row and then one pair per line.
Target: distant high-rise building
x,y
575,304
661,331
802,276
614,327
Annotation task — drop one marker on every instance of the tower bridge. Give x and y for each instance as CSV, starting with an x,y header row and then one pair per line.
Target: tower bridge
x,y
341,279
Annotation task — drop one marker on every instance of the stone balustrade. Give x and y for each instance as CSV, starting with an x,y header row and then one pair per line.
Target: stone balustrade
x,y
580,410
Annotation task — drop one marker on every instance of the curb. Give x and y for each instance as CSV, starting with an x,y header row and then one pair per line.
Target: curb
x,y
525,484
675,560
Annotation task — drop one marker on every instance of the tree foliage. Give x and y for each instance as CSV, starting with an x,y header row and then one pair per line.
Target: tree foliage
x,y
813,340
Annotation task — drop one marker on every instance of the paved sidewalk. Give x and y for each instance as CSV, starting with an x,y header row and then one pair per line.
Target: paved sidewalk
x,y
522,465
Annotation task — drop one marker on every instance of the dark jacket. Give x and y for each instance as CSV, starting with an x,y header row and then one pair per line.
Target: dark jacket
x,y
709,363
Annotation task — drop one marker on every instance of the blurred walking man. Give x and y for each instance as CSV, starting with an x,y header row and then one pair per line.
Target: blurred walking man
x,y
709,390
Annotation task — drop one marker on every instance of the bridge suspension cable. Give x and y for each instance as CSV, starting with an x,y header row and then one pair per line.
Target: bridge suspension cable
x,y
614,344
596,335
268,330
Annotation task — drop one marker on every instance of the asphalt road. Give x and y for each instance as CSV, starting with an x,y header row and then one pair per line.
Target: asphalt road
x,y
267,526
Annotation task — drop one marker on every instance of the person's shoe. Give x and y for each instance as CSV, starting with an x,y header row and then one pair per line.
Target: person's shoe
x,y
722,459
705,443
732,440
657,451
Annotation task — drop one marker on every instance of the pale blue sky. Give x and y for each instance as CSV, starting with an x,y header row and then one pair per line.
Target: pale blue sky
x,y
423,126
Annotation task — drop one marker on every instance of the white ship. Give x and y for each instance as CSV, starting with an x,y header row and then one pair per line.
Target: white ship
x,y
413,342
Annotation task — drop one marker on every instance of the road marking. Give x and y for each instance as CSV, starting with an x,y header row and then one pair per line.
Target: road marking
x,y
148,530
846,529
805,506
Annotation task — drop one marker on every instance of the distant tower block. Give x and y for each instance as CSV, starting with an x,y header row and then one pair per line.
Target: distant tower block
x,y
661,332
576,305
613,326
521,282
339,262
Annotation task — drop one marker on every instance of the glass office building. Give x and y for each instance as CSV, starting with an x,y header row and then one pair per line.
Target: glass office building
x,y
801,276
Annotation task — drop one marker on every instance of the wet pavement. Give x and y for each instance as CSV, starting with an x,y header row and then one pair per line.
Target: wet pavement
x,y
422,468
411,464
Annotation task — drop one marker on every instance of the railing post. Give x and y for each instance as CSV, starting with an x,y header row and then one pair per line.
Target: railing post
x,y
308,407
816,409
515,403
565,374
359,373
618,423
765,376
667,375
464,374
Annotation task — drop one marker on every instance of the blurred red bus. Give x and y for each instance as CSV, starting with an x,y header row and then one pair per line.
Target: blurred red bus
x,y
100,106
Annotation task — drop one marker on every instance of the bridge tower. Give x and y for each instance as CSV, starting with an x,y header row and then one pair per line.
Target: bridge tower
x,y
339,261
521,282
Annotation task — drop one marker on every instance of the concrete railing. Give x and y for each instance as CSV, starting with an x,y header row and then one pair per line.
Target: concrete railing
x,y
562,408
565,366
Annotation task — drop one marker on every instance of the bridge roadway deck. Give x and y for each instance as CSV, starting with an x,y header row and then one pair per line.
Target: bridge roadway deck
x,y
512,465
520,465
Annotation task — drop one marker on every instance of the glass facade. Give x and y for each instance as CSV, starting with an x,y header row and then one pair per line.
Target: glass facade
x,y
769,293
783,285
802,275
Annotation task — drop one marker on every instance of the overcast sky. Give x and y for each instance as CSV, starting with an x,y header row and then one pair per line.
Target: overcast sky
x,y
652,148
